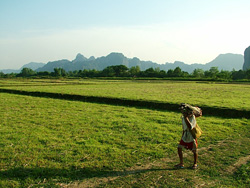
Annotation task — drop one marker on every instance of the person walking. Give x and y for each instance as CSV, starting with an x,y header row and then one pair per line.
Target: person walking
x,y
189,114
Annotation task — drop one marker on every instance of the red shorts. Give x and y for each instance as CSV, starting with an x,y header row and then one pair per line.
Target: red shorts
x,y
190,145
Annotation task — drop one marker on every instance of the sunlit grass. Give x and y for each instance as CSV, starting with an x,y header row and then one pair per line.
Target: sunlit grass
x,y
47,141
235,96
61,140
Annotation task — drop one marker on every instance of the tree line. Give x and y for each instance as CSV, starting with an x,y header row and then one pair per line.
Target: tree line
x,y
134,72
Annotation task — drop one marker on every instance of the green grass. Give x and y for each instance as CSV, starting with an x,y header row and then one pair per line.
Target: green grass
x,y
50,142
242,176
235,96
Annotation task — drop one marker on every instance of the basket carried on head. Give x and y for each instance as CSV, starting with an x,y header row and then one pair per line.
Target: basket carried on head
x,y
187,107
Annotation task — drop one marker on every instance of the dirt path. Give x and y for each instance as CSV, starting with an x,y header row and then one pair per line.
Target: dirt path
x,y
240,162
163,163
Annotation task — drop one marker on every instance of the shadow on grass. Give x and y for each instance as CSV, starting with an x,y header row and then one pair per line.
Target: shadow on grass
x,y
68,174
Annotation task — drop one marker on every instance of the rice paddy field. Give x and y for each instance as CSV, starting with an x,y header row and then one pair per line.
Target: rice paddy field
x,y
49,142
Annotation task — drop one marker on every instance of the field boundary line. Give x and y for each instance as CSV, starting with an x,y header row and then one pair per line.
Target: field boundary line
x,y
210,111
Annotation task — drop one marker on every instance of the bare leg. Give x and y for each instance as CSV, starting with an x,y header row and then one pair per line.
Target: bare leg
x,y
195,157
180,155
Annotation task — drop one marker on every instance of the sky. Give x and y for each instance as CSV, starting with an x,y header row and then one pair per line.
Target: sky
x,y
191,31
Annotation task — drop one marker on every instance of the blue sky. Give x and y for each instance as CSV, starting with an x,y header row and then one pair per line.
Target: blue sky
x,y
192,31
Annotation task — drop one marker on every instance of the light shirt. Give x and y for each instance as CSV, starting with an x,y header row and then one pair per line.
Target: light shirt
x,y
187,136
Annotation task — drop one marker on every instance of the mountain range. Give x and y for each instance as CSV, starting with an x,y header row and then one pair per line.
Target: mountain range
x,y
227,61
31,65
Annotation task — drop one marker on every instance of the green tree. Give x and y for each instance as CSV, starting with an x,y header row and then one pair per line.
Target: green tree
x,y
212,72
108,72
1,74
225,75
27,72
115,70
170,73
43,73
177,72
198,73
11,75
248,74
83,73
237,75
150,72
63,72
58,72
185,74
162,73
134,71
120,70
92,73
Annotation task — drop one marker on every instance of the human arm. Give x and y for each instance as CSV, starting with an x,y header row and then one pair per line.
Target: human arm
x,y
187,121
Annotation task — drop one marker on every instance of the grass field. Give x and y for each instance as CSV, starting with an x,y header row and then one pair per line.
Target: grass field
x,y
49,142
234,96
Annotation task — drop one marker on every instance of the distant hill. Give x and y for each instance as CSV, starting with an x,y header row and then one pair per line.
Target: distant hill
x,y
8,71
246,64
227,62
223,62
31,65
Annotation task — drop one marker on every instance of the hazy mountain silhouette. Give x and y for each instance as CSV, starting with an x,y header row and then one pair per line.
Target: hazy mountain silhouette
x,y
246,64
223,62
227,62
31,65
